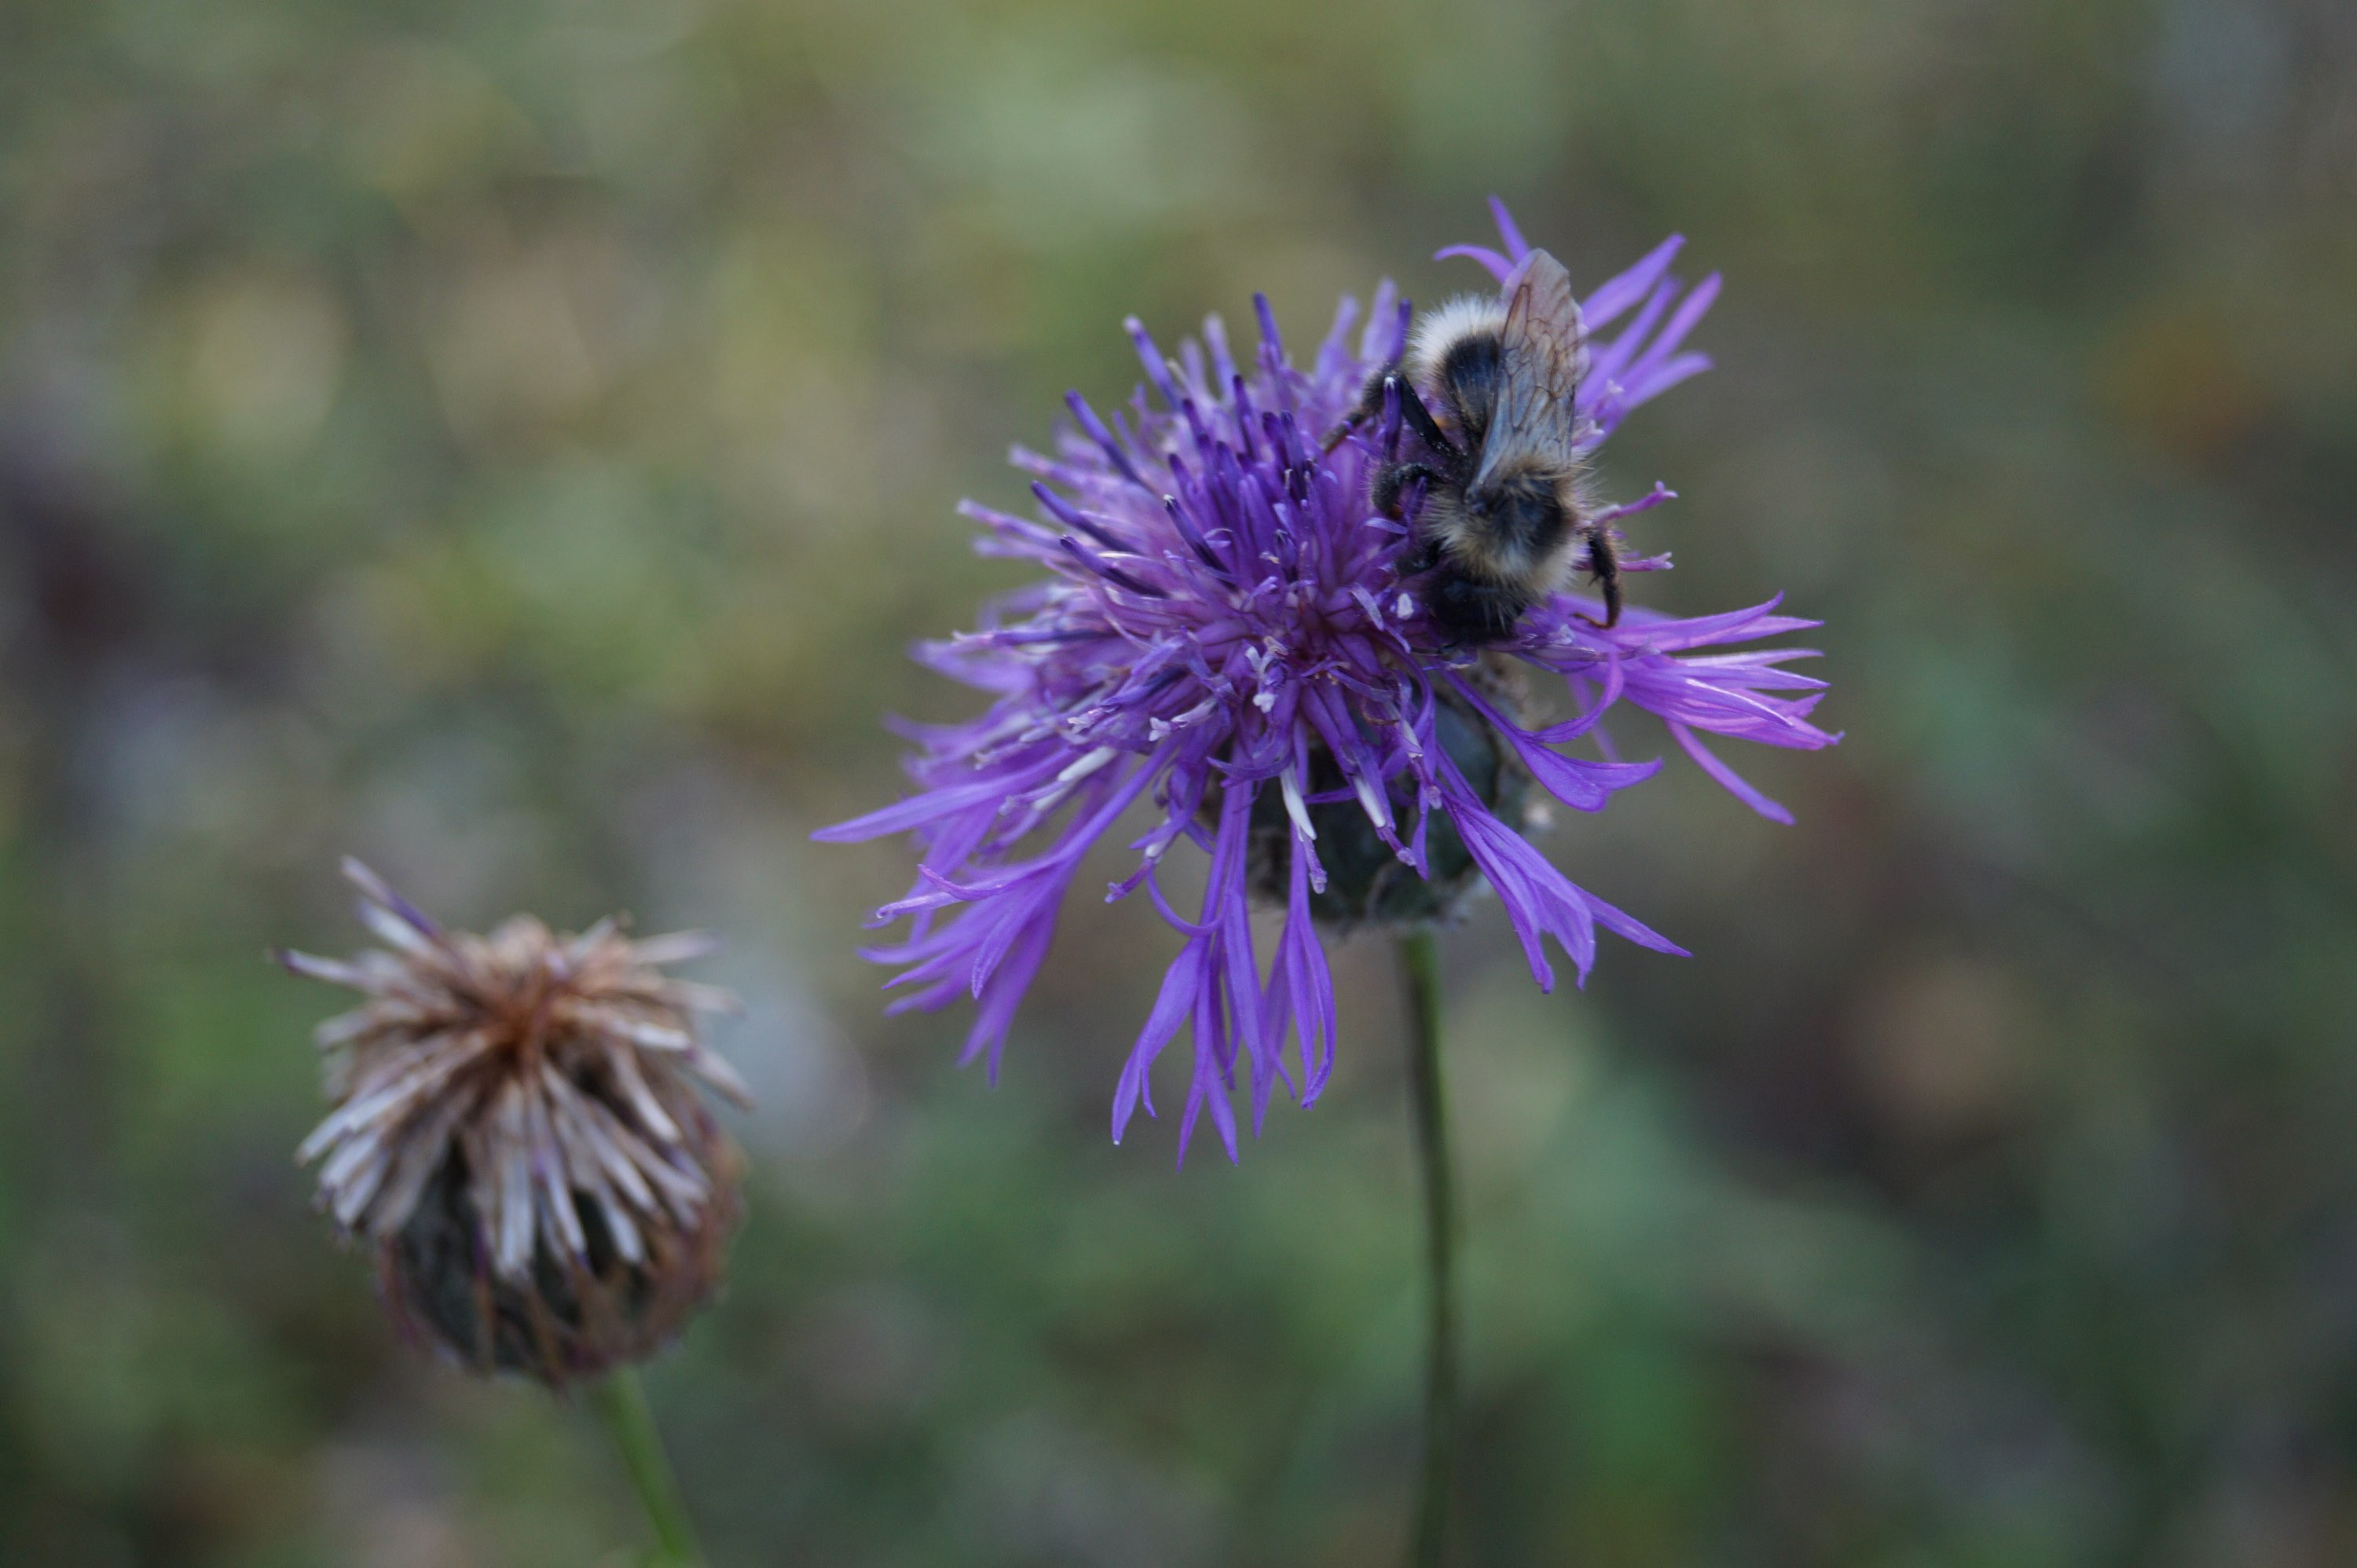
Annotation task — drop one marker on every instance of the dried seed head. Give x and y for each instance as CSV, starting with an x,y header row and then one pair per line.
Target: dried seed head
x,y
516,1133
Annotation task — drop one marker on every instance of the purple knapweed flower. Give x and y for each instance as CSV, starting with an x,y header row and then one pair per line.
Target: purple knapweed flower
x,y
1226,632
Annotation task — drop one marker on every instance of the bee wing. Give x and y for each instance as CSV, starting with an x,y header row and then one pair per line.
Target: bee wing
x,y
1542,356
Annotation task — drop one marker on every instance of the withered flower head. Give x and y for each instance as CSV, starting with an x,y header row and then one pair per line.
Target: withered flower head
x,y
516,1134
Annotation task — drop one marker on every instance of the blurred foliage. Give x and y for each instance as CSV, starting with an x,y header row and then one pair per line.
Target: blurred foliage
x,y
516,442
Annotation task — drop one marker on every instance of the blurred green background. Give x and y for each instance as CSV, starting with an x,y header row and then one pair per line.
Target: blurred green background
x,y
517,441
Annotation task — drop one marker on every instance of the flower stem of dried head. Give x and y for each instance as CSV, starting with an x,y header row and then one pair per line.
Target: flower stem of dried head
x,y
621,1405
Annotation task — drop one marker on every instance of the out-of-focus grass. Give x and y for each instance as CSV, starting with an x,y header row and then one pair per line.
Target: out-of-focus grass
x,y
517,441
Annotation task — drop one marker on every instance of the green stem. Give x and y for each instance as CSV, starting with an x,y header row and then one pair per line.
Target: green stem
x,y
1420,971
623,1405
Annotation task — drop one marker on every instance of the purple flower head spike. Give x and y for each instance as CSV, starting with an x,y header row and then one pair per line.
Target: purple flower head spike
x,y
1225,633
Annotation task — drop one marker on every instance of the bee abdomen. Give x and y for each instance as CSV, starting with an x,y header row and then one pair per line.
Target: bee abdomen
x,y
1476,609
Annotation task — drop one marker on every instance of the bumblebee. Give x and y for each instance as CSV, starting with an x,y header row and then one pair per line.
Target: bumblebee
x,y
1487,387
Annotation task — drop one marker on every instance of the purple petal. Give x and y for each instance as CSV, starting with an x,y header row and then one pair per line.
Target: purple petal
x,y
1500,267
1733,781
1516,246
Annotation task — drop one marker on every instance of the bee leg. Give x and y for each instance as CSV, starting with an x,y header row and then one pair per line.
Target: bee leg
x,y
1384,494
1370,406
1605,567
1420,420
